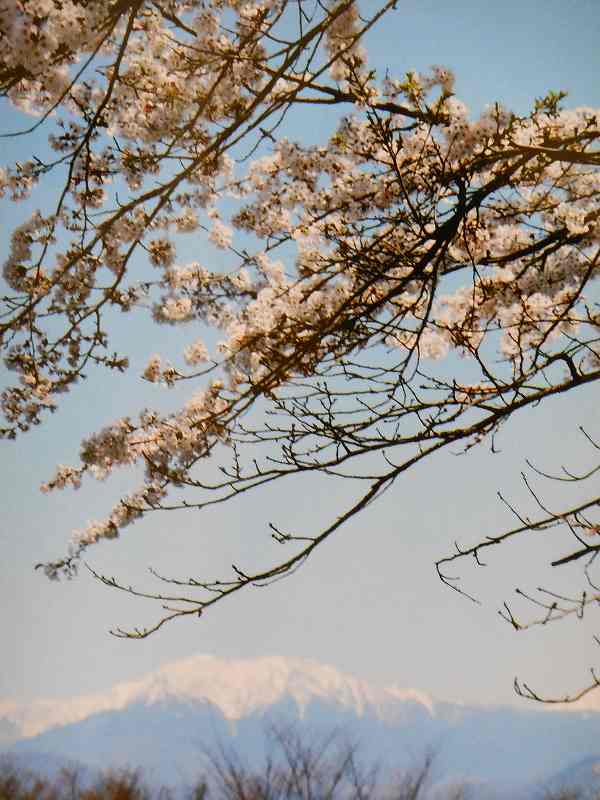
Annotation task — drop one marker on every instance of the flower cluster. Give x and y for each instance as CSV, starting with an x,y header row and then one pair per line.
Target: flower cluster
x,y
339,277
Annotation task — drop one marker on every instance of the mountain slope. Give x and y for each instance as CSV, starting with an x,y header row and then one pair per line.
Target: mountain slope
x,y
237,688
167,720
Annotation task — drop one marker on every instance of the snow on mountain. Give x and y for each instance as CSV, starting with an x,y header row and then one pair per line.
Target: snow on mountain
x,y
238,688
164,721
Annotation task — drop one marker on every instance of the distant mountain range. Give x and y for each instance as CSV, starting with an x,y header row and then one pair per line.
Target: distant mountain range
x,y
166,721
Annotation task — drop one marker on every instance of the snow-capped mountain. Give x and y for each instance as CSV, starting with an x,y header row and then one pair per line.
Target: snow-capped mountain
x,y
167,719
237,688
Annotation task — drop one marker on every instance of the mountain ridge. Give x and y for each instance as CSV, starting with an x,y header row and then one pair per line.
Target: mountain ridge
x,y
165,720
238,687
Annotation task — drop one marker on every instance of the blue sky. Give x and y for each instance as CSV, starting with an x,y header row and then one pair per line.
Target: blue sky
x,y
369,601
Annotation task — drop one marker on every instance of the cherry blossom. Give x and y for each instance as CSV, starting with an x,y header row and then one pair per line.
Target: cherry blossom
x,y
341,278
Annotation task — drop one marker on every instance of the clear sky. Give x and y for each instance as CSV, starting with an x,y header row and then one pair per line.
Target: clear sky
x,y
369,601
